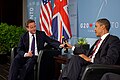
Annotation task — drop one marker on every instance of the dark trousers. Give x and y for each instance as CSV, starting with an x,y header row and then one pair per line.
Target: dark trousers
x,y
74,69
22,68
110,76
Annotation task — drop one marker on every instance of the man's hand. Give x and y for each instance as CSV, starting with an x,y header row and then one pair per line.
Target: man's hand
x,y
85,57
62,45
68,45
29,54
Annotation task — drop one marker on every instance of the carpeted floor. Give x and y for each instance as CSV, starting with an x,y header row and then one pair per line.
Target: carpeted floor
x,y
4,68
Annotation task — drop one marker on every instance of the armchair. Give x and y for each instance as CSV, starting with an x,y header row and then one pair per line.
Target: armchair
x,y
45,67
46,64
14,53
96,71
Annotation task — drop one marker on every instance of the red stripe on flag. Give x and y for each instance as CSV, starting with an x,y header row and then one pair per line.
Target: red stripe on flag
x,y
61,31
60,11
46,17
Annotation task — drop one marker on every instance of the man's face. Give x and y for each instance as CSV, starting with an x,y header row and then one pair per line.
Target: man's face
x,y
98,29
32,28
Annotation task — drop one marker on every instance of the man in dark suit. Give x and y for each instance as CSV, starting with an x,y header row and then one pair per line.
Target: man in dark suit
x,y
106,50
110,76
30,44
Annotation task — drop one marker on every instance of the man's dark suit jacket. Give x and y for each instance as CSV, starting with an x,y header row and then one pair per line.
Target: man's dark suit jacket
x,y
26,63
108,52
41,38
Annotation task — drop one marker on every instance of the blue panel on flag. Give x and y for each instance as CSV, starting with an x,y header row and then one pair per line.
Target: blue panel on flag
x,y
55,28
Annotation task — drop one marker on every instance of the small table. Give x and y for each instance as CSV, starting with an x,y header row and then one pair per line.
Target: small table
x,y
59,60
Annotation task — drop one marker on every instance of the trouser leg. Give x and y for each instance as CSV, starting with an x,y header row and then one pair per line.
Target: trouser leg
x,y
28,69
17,63
73,69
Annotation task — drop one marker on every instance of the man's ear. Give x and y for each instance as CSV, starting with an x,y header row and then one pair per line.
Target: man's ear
x,y
103,27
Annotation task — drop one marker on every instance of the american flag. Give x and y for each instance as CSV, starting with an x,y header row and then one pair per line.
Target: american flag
x,y
60,22
46,17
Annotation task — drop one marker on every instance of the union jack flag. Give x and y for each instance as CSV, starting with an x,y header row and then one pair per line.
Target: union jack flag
x,y
60,22
46,17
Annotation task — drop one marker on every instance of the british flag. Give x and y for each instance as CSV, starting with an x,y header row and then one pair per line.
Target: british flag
x,y
60,21
46,17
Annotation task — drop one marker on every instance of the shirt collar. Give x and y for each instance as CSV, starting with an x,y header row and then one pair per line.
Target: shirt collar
x,y
104,36
31,34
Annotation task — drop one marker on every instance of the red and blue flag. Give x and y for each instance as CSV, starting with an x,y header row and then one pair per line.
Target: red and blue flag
x,y
60,21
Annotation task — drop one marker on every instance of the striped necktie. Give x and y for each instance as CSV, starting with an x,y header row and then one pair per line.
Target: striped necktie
x,y
96,46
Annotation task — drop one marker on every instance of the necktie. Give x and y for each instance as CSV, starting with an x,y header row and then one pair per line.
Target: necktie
x,y
96,46
33,45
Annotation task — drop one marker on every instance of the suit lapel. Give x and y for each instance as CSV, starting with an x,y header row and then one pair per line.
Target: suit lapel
x,y
91,49
104,42
26,40
37,38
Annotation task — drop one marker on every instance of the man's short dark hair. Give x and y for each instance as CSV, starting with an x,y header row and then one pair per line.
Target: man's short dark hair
x,y
29,21
105,22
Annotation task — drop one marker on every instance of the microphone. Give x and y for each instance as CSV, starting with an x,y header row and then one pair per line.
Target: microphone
x,y
65,49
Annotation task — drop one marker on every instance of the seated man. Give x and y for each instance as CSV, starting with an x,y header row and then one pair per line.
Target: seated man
x,y
30,44
110,76
106,50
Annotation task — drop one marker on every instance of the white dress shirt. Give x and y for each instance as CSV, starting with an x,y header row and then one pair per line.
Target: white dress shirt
x,y
103,37
30,43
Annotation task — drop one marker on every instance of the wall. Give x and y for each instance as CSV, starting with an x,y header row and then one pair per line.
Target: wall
x,y
83,15
11,12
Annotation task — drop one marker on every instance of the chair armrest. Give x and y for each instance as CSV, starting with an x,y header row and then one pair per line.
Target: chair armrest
x,y
38,63
95,71
46,63
13,53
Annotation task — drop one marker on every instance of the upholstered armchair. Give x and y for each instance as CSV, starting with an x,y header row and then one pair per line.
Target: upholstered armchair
x,y
96,71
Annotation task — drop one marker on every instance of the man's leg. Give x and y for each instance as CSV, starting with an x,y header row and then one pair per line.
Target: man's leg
x,y
110,76
72,70
28,69
14,68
